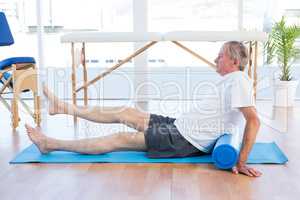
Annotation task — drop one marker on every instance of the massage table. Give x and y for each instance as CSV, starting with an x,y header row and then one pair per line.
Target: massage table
x,y
150,39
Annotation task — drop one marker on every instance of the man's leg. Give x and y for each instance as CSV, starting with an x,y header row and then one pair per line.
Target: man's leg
x,y
117,142
126,115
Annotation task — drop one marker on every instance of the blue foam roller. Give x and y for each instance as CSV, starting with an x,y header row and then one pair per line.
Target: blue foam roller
x,y
226,151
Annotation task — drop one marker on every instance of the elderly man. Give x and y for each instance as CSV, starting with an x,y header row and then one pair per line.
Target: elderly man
x,y
231,110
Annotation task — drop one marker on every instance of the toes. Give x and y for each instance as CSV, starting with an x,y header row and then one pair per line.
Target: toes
x,y
28,127
46,91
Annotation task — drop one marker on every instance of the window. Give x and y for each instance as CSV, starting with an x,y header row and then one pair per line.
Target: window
x,y
60,17
169,15
190,15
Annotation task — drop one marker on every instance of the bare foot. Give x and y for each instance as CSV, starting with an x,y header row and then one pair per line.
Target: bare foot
x,y
56,106
38,138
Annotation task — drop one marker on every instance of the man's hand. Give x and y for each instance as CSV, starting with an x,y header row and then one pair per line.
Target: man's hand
x,y
250,132
243,169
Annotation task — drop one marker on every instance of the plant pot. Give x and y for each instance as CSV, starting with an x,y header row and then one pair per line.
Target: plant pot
x,y
284,93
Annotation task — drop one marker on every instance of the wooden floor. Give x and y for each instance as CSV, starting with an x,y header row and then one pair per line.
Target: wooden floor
x,y
148,181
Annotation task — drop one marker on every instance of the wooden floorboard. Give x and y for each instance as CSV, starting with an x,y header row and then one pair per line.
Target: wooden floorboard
x,y
150,181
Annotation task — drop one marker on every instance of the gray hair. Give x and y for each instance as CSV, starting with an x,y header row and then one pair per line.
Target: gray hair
x,y
237,50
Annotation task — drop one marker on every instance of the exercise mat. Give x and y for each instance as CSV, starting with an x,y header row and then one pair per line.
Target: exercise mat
x,y
261,153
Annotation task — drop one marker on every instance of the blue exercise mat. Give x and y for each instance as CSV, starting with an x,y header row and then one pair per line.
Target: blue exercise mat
x,y
261,153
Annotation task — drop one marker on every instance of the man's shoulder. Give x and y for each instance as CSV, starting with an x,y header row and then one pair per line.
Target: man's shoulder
x,y
239,77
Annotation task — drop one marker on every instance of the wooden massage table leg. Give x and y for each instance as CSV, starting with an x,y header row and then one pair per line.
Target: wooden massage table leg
x,y
74,96
252,64
85,91
250,60
255,69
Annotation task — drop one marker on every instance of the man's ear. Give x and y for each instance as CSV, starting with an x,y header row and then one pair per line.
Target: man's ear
x,y
236,62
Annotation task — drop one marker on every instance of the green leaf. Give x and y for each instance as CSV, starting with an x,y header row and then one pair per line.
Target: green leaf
x,y
281,46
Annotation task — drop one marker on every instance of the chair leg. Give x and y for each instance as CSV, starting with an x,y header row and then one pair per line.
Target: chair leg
x,y
37,111
25,78
14,112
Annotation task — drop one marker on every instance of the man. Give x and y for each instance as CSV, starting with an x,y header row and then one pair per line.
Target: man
x,y
193,133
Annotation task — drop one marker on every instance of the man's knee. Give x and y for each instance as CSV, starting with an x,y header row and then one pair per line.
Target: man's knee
x,y
130,116
119,114
127,138
135,118
127,111
130,140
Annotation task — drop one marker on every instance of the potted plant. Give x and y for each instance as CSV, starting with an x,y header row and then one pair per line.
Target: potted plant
x,y
281,47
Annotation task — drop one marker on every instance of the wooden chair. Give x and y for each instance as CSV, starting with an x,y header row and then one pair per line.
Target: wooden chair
x,y
17,75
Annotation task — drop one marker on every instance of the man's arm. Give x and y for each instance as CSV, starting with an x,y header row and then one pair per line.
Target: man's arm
x,y
250,132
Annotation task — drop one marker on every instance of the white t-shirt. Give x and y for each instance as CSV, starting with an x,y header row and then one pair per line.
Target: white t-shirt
x,y
219,113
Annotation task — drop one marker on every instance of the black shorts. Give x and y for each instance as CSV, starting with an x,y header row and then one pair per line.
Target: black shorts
x,y
163,140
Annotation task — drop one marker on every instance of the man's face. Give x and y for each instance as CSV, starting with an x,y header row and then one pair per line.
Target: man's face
x,y
224,63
